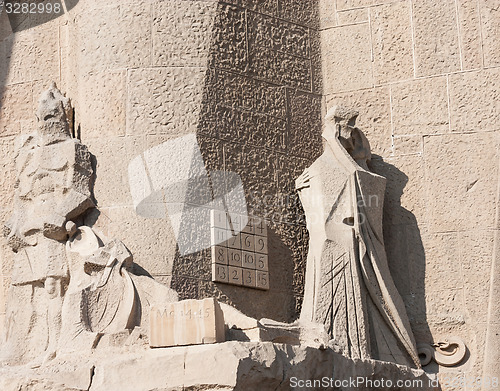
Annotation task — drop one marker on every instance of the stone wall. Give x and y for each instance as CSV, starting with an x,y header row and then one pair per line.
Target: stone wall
x,y
425,77
243,75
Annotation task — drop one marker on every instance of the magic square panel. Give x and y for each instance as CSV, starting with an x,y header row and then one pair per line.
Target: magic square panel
x,y
239,250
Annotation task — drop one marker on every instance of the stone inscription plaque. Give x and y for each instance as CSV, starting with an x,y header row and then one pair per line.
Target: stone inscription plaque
x,y
186,322
239,250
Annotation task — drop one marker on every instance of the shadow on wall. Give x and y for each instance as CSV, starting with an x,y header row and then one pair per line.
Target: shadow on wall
x,y
405,251
260,123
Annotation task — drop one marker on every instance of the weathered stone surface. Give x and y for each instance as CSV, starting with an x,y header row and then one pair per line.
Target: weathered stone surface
x,y
304,132
164,100
468,182
328,14
268,7
474,101
392,42
240,92
106,49
229,41
280,67
420,107
272,33
406,191
109,154
347,61
182,32
490,32
15,108
251,365
475,248
348,4
187,322
408,145
470,34
104,113
301,12
436,37
157,248
357,15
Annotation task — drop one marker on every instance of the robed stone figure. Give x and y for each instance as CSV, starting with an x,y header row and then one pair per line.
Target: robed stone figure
x,y
348,285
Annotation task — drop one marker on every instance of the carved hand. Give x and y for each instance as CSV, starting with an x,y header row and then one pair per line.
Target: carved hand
x,y
302,181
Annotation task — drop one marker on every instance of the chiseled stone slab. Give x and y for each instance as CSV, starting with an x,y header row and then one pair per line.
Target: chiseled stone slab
x,y
392,42
346,73
490,12
436,37
470,34
187,322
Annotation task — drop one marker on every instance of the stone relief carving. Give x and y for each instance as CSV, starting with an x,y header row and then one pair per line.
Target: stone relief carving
x,y
69,285
348,285
447,353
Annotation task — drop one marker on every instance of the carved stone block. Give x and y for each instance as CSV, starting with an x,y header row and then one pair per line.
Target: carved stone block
x,y
234,257
218,219
187,322
249,278
235,275
262,280
237,260
261,262
261,244
234,241
220,273
219,255
247,242
219,235
248,260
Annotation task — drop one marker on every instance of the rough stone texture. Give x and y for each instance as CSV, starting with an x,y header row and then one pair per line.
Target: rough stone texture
x,y
347,63
470,34
357,15
392,42
436,37
182,32
130,41
489,13
441,183
420,107
246,366
474,100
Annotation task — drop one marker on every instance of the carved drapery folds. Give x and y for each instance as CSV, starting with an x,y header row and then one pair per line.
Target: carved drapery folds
x,y
348,285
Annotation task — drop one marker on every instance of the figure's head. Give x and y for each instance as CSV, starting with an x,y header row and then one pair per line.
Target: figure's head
x,y
340,122
336,119
54,112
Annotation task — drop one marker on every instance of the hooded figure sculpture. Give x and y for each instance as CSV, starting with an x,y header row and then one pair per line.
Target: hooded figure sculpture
x,y
348,285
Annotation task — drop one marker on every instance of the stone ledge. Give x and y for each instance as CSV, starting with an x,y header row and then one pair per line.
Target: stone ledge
x,y
225,366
